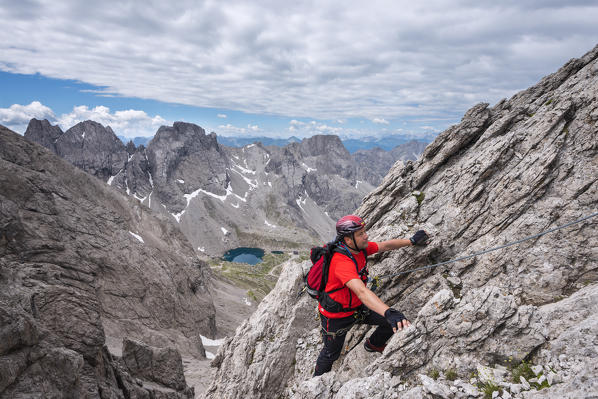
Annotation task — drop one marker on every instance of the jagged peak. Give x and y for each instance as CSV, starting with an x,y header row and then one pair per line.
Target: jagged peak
x,y
41,122
95,127
322,144
185,127
184,134
43,132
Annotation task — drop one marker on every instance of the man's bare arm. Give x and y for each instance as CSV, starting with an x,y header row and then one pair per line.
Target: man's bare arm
x,y
393,244
374,303
366,296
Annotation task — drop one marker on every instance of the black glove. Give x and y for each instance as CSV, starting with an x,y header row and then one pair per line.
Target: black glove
x,y
419,238
393,317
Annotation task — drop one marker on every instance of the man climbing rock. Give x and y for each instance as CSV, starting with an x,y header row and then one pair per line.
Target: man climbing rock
x,y
348,301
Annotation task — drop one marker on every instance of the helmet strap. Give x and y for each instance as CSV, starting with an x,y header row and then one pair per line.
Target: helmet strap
x,y
348,246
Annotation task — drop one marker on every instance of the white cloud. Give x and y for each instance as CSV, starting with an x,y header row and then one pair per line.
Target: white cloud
x,y
230,130
380,121
428,60
248,131
17,116
221,116
303,129
129,123
329,129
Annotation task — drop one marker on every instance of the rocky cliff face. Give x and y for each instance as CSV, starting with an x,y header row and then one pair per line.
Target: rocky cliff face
x,y
519,168
87,145
81,268
42,132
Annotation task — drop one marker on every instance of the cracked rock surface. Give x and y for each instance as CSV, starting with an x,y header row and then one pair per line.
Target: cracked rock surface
x,y
81,268
522,167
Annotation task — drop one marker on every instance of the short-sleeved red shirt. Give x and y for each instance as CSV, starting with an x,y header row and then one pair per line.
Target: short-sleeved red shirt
x,y
342,270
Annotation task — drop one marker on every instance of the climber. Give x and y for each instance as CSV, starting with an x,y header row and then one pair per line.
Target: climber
x,y
346,286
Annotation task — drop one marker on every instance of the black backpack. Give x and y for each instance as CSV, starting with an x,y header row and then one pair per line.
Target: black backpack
x,y
317,277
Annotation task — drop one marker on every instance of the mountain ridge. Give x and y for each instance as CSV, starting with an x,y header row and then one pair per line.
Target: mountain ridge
x,y
223,197
386,143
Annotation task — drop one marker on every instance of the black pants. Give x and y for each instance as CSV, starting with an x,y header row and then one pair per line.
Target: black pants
x,y
333,344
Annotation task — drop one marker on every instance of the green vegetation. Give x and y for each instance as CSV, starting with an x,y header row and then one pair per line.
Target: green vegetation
x,y
487,388
251,295
548,102
524,369
450,374
258,279
434,373
419,196
303,257
265,242
518,370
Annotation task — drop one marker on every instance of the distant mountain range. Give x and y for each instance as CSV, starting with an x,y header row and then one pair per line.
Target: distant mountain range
x,y
221,196
386,143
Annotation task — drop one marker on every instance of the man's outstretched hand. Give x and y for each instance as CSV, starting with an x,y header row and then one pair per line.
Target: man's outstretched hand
x,y
419,238
396,319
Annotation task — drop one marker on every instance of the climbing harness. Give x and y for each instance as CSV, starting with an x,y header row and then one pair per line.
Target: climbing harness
x,y
359,317
375,280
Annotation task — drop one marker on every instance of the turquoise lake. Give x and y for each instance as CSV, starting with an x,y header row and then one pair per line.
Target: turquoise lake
x,y
244,255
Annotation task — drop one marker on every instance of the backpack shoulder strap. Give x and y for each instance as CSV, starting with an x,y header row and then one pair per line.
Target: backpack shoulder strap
x,y
343,250
327,251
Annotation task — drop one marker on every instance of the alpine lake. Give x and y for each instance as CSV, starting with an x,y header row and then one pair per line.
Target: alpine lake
x,y
251,268
252,256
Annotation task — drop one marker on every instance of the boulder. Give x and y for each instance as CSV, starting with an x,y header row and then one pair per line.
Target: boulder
x,y
161,365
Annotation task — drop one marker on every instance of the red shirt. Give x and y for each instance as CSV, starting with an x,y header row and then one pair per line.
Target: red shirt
x,y
342,270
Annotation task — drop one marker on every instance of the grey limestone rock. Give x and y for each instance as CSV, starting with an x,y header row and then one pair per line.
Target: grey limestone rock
x,y
93,148
379,161
436,389
519,168
82,267
88,145
221,198
161,365
260,363
42,132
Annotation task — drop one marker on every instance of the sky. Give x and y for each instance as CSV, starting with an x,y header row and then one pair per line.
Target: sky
x,y
278,68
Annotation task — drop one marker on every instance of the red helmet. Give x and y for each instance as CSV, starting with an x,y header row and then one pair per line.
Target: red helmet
x,y
349,224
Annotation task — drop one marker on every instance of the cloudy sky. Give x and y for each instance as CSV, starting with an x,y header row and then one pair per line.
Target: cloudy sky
x,y
278,68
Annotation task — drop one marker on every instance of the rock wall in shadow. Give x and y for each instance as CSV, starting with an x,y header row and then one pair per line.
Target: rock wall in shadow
x,y
81,268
